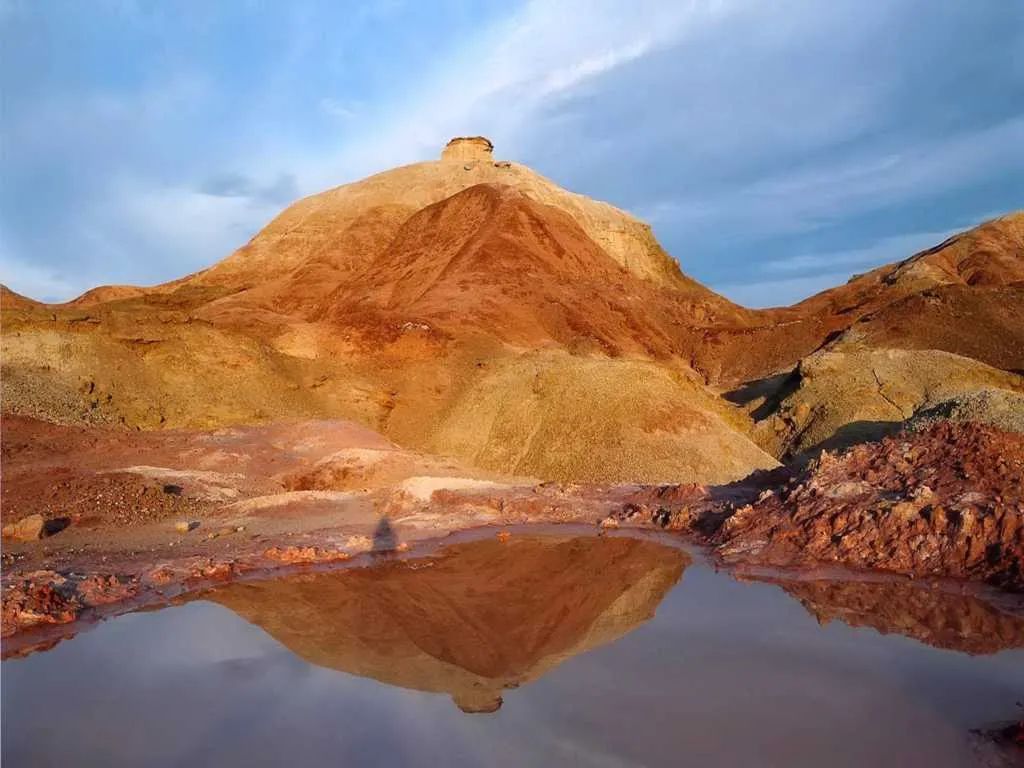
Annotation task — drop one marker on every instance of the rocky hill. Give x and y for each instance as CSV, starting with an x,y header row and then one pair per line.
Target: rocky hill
x,y
469,307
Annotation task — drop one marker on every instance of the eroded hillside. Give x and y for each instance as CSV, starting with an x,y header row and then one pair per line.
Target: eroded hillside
x,y
468,307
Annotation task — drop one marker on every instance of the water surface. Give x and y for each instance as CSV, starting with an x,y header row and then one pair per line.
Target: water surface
x,y
538,651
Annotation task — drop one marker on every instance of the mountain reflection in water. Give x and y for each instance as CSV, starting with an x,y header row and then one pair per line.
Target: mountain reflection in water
x,y
484,617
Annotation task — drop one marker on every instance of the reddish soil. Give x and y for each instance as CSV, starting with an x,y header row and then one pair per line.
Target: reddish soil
x,y
944,503
145,514
965,296
948,501
110,477
982,323
525,272
489,260
420,300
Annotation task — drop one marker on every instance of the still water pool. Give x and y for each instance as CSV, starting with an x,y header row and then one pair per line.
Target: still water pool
x,y
542,650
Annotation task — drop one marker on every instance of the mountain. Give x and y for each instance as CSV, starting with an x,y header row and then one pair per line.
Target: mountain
x,y
346,227
918,303
471,623
964,296
470,307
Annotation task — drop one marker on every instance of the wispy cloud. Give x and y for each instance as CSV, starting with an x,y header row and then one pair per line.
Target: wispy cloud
x,y
598,64
187,223
779,292
883,251
782,281
821,193
281,190
737,128
338,109
497,83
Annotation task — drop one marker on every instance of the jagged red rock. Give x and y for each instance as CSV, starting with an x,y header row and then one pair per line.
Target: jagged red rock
x,y
944,502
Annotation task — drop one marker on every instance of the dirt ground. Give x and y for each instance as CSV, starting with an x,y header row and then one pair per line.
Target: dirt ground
x,y
132,518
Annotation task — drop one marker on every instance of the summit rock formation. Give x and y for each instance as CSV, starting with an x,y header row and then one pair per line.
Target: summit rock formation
x,y
471,308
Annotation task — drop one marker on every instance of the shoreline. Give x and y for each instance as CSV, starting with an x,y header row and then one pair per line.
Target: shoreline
x,y
941,505
45,607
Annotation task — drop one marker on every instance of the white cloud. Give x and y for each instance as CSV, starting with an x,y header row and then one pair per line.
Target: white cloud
x,y
882,251
188,222
823,193
501,79
37,281
580,71
177,229
137,229
337,109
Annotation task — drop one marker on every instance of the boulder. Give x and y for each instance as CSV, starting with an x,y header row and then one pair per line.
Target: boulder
x,y
28,528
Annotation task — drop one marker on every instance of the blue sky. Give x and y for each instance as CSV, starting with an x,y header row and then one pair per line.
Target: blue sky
x,y
777,148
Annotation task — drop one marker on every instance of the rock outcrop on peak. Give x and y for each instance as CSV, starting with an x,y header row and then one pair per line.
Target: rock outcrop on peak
x,y
468,148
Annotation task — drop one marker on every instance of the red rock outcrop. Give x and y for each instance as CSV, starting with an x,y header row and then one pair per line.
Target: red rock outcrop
x,y
54,598
948,501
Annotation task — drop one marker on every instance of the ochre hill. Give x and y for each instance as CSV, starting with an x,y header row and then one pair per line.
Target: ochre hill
x,y
924,333
470,307
492,261
965,296
346,227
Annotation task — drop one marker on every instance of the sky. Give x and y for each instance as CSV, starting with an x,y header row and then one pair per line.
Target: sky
x,y
776,148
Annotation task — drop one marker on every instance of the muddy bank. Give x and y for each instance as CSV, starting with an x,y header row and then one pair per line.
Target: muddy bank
x,y
150,515
81,583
